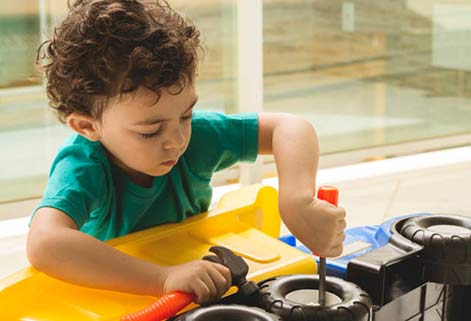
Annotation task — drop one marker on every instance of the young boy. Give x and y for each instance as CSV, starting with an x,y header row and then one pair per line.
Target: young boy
x,y
121,74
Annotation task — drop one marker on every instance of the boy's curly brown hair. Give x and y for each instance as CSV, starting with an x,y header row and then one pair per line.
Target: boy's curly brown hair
x,y
106,48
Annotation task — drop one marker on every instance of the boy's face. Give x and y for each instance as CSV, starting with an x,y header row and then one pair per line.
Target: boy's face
x,y
146,137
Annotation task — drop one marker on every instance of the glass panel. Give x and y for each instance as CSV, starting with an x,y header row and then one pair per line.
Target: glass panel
x,y
29,131
25,149
19,24
217,73
370,73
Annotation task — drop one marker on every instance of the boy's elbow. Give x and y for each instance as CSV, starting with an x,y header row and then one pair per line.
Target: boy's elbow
x,y
47,234
299,123
296,120
38,249
302,122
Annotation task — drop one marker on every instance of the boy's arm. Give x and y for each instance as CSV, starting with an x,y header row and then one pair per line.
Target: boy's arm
x,y
293,142
56,247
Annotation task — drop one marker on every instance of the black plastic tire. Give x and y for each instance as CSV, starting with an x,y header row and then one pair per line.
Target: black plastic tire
x,y
447,254
457,303
227,313
354,306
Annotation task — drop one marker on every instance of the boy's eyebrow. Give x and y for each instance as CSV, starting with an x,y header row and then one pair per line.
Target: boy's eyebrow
x,y
158,120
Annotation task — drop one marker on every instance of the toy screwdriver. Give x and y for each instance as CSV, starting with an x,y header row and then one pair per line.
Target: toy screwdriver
x,y
329,194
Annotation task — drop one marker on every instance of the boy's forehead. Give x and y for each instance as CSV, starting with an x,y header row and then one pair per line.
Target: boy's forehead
x,y
144,102
147,97
143,96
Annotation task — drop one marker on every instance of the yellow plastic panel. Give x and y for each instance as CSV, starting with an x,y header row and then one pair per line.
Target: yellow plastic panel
x,y
243,218
245,248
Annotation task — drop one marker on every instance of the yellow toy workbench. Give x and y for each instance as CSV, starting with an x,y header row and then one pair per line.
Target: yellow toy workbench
x,y
246,221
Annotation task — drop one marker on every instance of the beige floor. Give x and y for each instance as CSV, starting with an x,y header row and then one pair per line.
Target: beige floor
x,y
436,182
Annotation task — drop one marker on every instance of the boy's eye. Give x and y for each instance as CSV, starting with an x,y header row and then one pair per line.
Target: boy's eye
x,y
187,117
150,135
158,131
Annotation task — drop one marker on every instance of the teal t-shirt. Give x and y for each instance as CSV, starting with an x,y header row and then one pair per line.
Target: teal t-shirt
x,y
105,203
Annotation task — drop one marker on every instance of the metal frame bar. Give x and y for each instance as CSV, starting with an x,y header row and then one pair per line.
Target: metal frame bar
x,y
250,72
360,155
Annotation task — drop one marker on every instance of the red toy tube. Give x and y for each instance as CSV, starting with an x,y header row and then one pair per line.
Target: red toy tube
x,y
165,307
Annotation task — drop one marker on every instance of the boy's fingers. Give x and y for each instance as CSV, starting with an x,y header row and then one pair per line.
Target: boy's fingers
x,y
225,273
335,251
340,237
342,212
324,203
202,292
213,286
337,212
220,283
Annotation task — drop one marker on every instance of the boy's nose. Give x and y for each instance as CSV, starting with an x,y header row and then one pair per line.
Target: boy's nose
x,y
176,139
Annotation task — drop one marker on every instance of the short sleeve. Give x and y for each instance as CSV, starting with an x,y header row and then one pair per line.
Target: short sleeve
x,y
219,141
76,184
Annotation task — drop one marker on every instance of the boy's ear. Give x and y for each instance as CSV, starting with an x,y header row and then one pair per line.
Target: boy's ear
x,y
84,125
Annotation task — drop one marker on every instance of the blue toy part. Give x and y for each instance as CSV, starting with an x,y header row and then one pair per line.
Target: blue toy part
x,y
358,241
288,239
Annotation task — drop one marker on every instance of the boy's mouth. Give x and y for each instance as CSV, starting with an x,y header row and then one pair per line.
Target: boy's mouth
x,y
169,163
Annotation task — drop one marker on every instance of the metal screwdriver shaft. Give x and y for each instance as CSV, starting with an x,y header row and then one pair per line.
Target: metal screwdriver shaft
x,y
321,281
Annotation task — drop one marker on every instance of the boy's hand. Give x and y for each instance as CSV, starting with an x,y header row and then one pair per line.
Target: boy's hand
x,y
317,224
206,280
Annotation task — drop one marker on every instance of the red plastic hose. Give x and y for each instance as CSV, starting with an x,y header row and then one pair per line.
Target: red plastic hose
x,y
165,307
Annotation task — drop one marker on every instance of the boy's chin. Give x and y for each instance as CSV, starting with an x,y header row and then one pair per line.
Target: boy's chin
x,y
160,171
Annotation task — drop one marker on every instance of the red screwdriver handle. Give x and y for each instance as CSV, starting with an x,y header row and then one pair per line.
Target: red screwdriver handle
x,y
329,194
165,307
